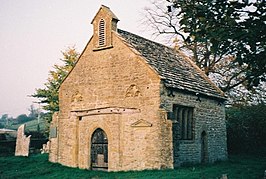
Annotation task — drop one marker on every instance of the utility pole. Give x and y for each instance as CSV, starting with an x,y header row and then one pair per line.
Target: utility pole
x,y
38,118
7,123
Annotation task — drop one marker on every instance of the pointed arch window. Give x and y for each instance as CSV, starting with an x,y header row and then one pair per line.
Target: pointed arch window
x,y
101,32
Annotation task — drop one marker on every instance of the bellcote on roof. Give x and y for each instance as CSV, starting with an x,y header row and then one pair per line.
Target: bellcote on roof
x,y
108,11
104,22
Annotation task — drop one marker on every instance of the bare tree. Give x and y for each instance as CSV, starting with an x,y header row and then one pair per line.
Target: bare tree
x,y
168,19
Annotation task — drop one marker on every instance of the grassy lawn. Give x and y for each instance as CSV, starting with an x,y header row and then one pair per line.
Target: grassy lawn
x,y
37,166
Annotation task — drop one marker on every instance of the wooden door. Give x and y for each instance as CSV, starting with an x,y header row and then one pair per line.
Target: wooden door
x,y
204,147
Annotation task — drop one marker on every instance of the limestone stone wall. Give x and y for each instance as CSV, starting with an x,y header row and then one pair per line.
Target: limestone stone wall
x,y
128,145
102,82
114,89
53,138
208,116
166,138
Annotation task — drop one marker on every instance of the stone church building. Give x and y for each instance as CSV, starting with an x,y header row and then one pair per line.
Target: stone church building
x,y
132,104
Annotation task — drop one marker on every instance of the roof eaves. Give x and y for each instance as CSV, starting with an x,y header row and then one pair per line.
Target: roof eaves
x,y
203,75
208,89
184,90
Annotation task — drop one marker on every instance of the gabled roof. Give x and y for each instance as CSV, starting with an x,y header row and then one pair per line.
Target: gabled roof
x,y
176,70
107,9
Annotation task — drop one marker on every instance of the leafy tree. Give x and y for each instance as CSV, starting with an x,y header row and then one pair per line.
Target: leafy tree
x,y
1,125
22,118
4,118
225,38
48,96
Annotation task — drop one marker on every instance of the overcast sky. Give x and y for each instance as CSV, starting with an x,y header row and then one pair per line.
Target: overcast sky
x,y
34,32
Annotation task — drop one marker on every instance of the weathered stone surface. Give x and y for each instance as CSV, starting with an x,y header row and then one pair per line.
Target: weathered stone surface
x,y
117,90
22,142
53,139
208,116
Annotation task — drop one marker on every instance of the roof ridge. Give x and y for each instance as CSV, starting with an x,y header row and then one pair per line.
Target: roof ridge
x,y
170,48
176,68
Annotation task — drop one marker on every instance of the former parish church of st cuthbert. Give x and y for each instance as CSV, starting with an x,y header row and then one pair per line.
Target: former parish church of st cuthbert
x,y
132,104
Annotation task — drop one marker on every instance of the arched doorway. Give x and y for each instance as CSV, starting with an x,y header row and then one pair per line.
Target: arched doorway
x,y
204,147
99,150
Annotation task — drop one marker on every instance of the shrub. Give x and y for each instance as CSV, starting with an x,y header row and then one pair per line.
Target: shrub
x,y
246,129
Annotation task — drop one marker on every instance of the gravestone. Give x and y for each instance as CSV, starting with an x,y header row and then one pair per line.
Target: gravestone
x,y
224,176
100,160
45,148
22,142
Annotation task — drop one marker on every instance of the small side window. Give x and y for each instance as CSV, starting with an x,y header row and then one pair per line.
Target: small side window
x,y
102,33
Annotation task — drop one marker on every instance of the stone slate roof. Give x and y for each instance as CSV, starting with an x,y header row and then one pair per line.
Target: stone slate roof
x,y
176,70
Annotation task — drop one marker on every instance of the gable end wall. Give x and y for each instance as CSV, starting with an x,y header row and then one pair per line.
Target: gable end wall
x,y
110,79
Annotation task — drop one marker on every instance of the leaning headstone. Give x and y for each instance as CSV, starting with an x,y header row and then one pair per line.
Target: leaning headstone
x,y
45,148
22,143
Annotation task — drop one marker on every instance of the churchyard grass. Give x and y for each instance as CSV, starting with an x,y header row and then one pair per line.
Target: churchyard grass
x,y
37,166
